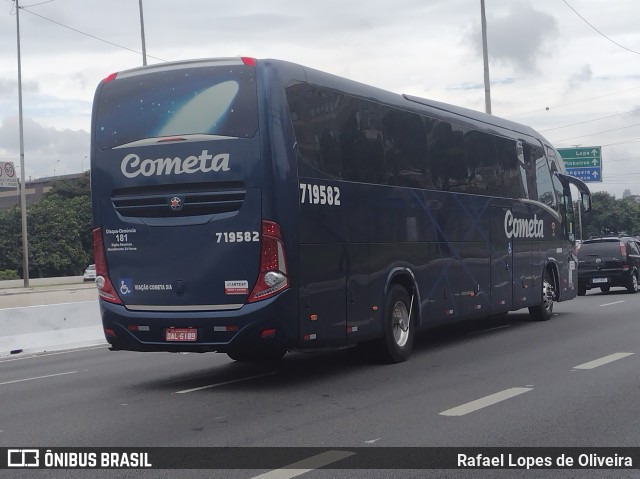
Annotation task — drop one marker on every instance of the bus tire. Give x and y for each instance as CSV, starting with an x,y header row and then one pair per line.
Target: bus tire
x,y
397,342
254,356
544,311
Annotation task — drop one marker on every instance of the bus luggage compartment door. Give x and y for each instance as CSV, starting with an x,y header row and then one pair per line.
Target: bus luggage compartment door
x,y
322,295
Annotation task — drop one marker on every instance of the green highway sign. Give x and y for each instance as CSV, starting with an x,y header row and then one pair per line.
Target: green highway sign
x,y
583,163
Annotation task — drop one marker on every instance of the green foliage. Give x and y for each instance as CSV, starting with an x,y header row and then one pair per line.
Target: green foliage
x,y
59,232
611,217
6,274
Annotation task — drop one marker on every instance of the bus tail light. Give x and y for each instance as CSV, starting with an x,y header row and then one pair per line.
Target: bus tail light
x,y
273,265
105,288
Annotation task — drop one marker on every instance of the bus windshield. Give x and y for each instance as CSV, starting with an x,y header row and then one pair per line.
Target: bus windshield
x,y
212,100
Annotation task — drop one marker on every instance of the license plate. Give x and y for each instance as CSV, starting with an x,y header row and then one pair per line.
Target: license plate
x,y
600,280
181,334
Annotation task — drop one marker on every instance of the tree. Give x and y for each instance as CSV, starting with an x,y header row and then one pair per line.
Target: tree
x,y
611,217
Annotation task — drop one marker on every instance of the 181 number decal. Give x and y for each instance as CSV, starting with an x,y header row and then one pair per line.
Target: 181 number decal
x,y
320,194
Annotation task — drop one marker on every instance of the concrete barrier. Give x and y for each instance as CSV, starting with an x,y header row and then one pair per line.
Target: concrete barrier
x,y
38,282
52,314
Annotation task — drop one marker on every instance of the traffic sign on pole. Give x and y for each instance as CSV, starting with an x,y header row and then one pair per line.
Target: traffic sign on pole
x,y
8,178
583,163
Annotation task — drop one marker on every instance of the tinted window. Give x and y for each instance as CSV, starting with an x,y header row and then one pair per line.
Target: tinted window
x,y
633,247
480,154
546,191
405,149
602,248
337,134
447,156
318,116
509,177
530,155
203,100
361,143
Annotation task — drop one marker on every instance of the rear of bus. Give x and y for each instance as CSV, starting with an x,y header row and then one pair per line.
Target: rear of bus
x,y
185,258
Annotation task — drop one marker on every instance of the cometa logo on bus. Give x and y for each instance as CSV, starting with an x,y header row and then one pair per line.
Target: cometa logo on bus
x,y
522,227
132,166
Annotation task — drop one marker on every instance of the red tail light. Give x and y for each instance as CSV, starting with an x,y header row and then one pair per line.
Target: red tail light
x,y
273,265
250,62
623,253
105,288
111,77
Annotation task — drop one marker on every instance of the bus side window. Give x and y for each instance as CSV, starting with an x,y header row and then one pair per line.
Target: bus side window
x,y
405,149
544,186
480,159
529,166
446,153
314,112
360,138
509,177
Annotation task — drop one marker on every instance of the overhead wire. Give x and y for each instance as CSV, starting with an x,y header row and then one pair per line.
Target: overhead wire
x,y
598,31
87,34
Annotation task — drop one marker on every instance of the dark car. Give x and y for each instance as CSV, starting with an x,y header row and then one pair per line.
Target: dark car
x,y
609,262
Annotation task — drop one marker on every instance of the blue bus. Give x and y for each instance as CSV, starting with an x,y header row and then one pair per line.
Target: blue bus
x,y
254,207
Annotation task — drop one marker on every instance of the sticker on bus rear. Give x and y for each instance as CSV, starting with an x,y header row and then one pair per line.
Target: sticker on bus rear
x,y
236,287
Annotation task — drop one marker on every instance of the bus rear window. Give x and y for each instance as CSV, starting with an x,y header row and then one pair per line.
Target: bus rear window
x,y
210,100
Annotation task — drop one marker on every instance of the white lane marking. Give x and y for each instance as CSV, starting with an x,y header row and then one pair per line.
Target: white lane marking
x,y
485,402
48,305
372,441
306,465
609,304
481,331
209,386
8,359
599,362
38,377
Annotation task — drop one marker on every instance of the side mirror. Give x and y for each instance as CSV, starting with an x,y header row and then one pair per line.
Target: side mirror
x,y
586,202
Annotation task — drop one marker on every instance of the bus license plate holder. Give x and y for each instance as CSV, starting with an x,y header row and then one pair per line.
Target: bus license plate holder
x,y
181,334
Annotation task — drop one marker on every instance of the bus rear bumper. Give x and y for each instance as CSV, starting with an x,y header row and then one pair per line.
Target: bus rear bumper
x,y
267,325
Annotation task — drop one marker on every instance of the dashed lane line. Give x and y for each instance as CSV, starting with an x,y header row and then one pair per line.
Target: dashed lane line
x,y
485,402
306,465
216,385
602,361
37,377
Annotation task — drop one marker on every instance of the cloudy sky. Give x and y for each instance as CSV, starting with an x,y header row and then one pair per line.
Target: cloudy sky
x,y
570,69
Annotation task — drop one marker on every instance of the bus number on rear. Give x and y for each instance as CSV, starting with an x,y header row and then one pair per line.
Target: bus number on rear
x,y
237,237
319,194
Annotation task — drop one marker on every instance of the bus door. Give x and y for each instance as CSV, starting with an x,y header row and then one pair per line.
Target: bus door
x,y
524,292
501,261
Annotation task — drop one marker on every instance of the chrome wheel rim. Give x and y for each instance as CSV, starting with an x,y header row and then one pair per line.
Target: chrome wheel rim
x,y
400,318
547,295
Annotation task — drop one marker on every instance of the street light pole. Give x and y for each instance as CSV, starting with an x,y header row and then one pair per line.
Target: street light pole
x,y
23,198
485,56
144,46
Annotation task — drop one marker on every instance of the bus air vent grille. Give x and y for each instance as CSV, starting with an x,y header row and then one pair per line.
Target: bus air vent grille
x,y
178,200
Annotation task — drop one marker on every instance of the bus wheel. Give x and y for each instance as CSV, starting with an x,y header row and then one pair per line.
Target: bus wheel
x,y
248,356
544,310
397,342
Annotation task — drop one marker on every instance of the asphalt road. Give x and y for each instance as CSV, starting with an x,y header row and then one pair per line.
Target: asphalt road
x,y
570,382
